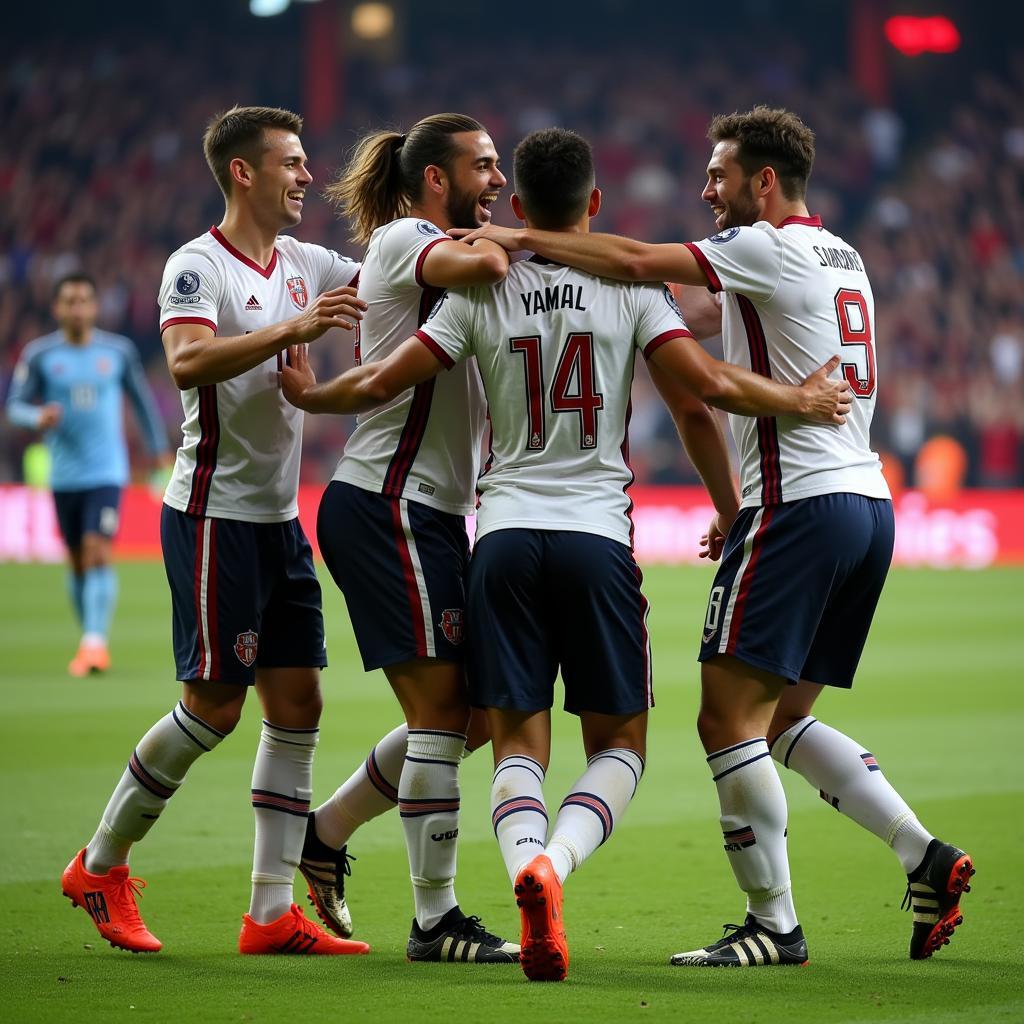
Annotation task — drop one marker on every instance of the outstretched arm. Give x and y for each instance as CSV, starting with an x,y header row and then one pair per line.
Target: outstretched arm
x,y
739,391
363,387
623,259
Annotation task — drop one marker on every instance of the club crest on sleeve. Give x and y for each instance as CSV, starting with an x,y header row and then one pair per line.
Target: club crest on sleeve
x,y
245,647
297,290
452,626
424,227
724,236
187,283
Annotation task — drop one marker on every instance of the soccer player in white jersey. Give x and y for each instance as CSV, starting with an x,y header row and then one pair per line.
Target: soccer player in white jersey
x,y
552,581
401,491
806,558
245,597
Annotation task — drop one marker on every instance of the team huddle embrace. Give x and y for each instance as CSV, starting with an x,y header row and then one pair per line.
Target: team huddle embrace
x,y
460,349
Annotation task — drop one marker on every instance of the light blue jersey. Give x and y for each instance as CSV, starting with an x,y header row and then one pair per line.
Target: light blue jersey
x,y
89,381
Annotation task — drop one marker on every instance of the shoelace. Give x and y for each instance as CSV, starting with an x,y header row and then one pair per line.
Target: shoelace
x,y
472,928
124,896
732,928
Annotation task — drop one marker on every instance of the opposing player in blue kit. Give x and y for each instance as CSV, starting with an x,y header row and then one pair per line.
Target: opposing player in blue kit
x,y
71,385
244,593
807,556
552,582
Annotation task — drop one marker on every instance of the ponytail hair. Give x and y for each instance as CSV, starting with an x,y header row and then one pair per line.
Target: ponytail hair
x,y
384,174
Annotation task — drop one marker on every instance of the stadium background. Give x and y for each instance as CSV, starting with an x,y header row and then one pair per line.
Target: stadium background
x,y
920,166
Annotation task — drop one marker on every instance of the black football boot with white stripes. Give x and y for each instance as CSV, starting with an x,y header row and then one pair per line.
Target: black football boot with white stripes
x,y
933,893
459,939
749,945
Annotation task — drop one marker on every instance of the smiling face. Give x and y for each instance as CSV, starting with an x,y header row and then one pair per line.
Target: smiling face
x,y
280,180
730,191
474,180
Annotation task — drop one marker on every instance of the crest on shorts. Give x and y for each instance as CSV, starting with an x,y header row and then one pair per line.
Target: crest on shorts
x,y
297,290
245,647
451,625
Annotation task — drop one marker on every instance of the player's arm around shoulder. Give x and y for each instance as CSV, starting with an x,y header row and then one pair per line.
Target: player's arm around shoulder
x,y
363,387
818,399
458,265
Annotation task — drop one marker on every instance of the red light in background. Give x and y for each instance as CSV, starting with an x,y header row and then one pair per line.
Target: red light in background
x,y
914,36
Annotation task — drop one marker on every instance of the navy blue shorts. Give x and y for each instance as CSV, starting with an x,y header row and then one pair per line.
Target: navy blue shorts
x,y
540,600
94,510
244,596
798,586
402,568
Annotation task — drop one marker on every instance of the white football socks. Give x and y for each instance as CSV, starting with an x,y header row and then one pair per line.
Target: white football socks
x,y
518,813
282,784
371,790
597,801
848,777
157,768
428,802
753,805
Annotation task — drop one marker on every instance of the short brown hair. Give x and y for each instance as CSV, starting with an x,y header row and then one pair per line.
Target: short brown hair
x,y
769,137
238,132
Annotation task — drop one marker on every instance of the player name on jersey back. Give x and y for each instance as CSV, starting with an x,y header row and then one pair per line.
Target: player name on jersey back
x,y
556,350
239,457
794,296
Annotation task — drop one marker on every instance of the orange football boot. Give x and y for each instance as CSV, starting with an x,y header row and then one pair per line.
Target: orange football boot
x,y
294,933
545,950
110,901
90,658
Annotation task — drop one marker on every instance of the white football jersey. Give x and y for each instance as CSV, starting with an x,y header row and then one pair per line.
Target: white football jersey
x,y
425,444
556,349
239,456
794,296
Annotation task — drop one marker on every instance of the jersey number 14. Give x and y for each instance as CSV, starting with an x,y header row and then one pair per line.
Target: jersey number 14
x,y
573,389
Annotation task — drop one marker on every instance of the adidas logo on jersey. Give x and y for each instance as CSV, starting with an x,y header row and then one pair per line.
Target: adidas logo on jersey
x,y
253,305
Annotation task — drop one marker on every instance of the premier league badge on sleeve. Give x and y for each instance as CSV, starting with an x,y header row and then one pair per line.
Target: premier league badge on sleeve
x,y
187,283
424,227
297,290
724,236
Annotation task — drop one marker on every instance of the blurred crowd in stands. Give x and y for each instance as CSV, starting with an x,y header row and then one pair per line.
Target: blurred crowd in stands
x,y
102,170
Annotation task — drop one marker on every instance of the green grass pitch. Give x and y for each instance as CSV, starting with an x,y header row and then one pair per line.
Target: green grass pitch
x,y
939,701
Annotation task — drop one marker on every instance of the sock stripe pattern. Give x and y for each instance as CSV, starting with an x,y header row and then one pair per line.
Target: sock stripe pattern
x,y
742,764
870,763
269,801
739,838
147,781
796,737
414,808
594,803
521,761
515,806
611,755
376,777
194,728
